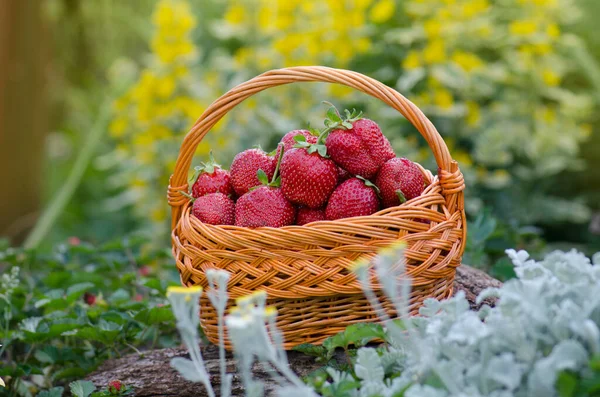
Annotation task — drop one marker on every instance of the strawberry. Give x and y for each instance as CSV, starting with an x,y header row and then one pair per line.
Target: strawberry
x,y
399,179
211,178
289,142
115,387
343,175
307,215
356,144
214,209
307,177
354,197
245,166
265,205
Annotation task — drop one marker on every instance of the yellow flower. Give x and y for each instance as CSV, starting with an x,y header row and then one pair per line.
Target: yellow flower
x,y
443,98
118,127
553,30
474,7
412,60
382,11
550,77
473,114
434,52
165,86
432,28
463,158
235,15
467,60
176,290
523,28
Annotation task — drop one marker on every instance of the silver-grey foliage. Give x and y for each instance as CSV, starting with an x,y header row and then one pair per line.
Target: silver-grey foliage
x,y
546,321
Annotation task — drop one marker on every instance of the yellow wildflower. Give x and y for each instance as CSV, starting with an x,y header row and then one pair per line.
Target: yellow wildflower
x,y
553,30
550,77
432,28
118,127
412,60
235,15
467,60
443,98
382,11
523,28
176,290
473,114
434,52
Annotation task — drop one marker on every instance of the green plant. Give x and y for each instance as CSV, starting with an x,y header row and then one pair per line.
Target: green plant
x,y
66,311
541,339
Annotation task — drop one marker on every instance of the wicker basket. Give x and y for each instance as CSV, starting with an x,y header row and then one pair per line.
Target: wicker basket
x,y
305,269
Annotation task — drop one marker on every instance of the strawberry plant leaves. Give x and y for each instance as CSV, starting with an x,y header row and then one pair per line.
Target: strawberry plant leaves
x,y
355,334
262,177
155,315
82,388
312,350
333,115
299,138
53,392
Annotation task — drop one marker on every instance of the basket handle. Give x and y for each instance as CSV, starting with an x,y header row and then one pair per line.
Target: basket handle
x,y
450,177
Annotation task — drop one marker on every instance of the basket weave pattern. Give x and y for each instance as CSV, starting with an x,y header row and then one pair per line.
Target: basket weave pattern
x,y
305,270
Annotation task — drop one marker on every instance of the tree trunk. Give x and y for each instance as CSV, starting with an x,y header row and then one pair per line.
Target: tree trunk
x,y
151,375
23,120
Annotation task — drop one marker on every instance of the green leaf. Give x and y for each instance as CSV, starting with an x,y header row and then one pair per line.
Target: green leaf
x,y
276,182
155,315
47,354
119,296
70,373
401,196
566,384
311,149
82,388
333,115
311,350
356,334
54,392
262,177
75,290
300,138
322,149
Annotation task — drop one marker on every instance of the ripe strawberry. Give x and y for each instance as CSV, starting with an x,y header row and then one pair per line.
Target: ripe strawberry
x,y
214,209
399,179
115,387
289,142
245,166
307,178
265,205
354,197
307,215
343,175
356,144
211,178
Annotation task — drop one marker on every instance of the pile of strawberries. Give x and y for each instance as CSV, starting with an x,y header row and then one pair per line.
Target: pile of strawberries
x,y
347,169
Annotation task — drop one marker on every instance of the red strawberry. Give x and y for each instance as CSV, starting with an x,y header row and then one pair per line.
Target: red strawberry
x,y
307,178
115,387
211,178
307,215
356,144
245,166
399,179
89,298
354,197
214,209
289,142
343,175
265,205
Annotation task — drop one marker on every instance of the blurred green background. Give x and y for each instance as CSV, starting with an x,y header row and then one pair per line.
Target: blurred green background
x,y
96,97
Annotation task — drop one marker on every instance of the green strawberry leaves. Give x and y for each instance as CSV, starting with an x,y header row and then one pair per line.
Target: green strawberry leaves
x,y
207,167
311,148
262,175
370,184
334,119
401,196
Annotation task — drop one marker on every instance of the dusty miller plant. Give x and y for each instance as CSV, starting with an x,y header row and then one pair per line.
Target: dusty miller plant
x,y
545,325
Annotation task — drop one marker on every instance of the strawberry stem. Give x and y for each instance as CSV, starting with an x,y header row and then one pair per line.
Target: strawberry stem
x,y
186,194
276,173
